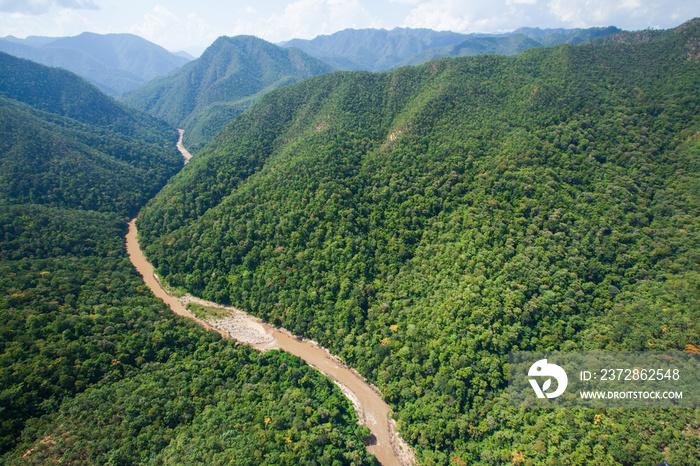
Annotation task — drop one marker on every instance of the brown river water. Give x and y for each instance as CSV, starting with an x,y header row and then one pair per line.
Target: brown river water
x,y
372,411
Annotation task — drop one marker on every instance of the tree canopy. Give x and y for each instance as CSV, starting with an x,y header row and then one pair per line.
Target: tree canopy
x,y
93,367
423,222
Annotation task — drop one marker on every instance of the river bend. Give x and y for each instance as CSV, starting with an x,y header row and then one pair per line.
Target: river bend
x,y
372,411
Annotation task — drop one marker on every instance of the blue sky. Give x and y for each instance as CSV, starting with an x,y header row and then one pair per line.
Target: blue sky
x,y
179,24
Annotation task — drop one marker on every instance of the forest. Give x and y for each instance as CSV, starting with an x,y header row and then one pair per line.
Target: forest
x,y
93,368
423,222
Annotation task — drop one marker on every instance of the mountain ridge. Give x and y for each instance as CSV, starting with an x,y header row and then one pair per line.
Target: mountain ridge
x,y
103,137
382,49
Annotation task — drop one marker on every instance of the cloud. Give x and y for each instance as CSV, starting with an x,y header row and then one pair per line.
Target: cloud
x,y
162,26
78,4
459,16
155,22
308,18
582,12
40,7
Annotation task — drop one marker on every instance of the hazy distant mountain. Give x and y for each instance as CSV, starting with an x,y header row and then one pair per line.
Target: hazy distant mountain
x,y
381,50
113,62
477,45
33,41
184,54
373,49
510,44
231,75
548,37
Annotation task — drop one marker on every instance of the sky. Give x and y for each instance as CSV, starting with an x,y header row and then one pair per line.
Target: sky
x,y
194,24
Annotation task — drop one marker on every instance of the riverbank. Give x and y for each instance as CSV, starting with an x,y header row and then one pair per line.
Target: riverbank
x,y
185,153
230,322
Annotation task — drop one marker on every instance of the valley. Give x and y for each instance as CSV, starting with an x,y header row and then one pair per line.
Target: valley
x,y
94,367
380,241
371,409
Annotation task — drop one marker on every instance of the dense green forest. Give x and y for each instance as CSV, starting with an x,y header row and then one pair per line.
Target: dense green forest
x,y
229,77
423,222
93,368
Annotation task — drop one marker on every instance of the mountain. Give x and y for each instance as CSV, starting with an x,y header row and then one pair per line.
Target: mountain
x,y
113,62
95,369
511,44
550,37
381,50
424,222
373,49
229,77
505,45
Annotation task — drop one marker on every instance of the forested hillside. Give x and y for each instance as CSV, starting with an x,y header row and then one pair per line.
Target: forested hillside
x,y
64,143
229,77
424,222
93,368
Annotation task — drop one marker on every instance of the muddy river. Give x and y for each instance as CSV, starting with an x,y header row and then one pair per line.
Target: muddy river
x,y
233,323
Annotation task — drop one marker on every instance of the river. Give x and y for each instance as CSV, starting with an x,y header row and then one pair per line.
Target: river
x,y
372,411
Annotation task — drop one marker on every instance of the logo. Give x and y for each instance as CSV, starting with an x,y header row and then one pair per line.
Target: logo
x,y
542,369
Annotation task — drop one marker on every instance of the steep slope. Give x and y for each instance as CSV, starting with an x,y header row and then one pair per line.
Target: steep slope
x,y
114,62
93,368
228,78
424,222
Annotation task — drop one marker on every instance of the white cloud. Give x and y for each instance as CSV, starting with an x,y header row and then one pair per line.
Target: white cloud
x,y
461,16
582,13
155,22
162,26
40,7
78,4
307,19
63,22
